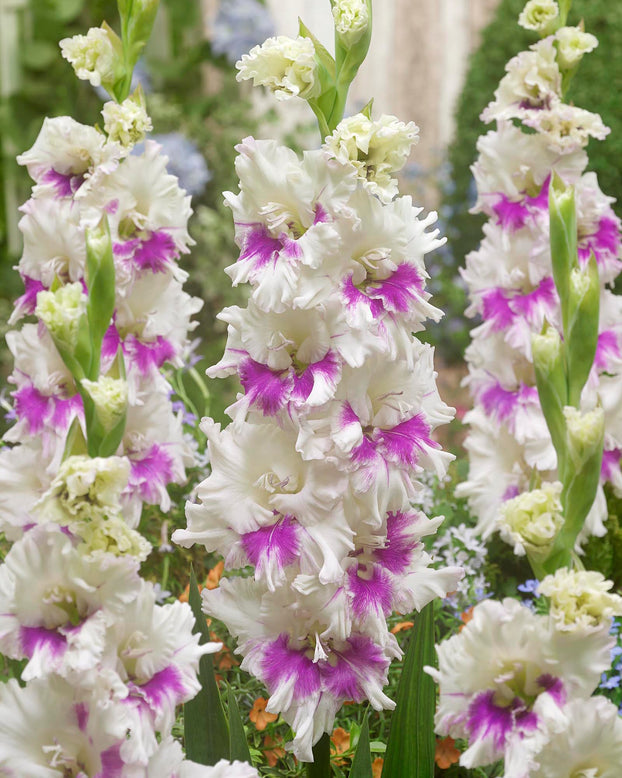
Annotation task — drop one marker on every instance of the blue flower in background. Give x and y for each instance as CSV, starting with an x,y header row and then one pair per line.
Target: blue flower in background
x,y
240,25
184,161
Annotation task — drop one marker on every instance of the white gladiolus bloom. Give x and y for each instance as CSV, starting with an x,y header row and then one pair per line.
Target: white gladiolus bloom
x,y
377,149
222,769
588,745
533,81
287,66
92,56
538,14
126,123
507,676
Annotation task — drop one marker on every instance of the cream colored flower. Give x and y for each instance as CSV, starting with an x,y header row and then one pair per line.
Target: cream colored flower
x,y
580,599
287,66
85,489
92,56
538,14
62,312
377,149
572,44
585,432
110,536
126,123
531,521
566,128
351,19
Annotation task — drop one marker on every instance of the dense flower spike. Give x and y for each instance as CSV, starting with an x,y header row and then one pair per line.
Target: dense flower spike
x,y
95,437
510,278
513,681
312,483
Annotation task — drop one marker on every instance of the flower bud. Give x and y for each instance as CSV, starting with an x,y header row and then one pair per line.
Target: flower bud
x,y
110,398
93,56
580,600
351,20
538,15
572,44
63,313
531,521
126,123
547,350
287,66
585,433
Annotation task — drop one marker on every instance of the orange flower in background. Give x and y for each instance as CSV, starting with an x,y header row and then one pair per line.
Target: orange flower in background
x,y
273,751
401,626
260,716
213,576
376,767
466,617
225,659
446,753
340,740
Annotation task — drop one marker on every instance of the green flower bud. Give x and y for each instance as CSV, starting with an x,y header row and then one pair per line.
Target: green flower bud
x,y
585,433
538,15
352,20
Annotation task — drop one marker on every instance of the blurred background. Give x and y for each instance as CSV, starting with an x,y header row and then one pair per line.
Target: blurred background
x,y
435,62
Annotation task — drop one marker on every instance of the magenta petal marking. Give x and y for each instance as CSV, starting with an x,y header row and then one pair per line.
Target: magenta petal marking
x,y
267,389
353,297
543,295
64,410
510,215
397,554
398,290
362,661
370,595
112,763
33,639
496,307
403,443
510,493
156,253
65,185
327,370
347,416
111,343
148,355
611,464
365,452
82,715
32,406
553,686
321,215
486,720
605,242
150,472
278,542
607,348
164,687
541,201
27,303
280,663
259,247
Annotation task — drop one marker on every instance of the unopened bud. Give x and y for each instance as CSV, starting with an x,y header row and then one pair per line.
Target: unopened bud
x,y
63,313
538,15
351,20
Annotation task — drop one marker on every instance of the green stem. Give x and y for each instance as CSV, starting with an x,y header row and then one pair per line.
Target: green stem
x,y
320,766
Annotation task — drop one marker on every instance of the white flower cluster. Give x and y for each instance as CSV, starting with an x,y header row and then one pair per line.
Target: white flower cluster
x,y
517,685
313,483
105,665
511,288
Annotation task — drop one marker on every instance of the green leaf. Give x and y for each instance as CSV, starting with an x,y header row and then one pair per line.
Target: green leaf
x,y
582,334
361,764
100,280
324,57
205,727
320,766
238,743
410,750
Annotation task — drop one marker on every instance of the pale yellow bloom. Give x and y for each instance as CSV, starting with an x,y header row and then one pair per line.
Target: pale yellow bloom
x,y
580,599
531,521
287,66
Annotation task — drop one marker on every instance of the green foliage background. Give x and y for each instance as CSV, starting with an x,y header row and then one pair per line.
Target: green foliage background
x,y
597,87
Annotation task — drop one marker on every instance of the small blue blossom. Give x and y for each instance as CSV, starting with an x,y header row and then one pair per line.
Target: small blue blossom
x,y
610,683
161,595
529,587
240,25
184,161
